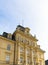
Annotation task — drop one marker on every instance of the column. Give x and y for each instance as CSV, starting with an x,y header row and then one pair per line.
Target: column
x,y
18,55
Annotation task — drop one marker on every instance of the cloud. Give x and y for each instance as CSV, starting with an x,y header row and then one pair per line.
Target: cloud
x,y
33,12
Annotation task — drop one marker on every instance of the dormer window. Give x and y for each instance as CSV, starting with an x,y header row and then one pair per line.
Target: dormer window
x,y
9,36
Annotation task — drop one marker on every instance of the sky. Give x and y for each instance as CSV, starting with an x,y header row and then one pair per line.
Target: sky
x,y
28,13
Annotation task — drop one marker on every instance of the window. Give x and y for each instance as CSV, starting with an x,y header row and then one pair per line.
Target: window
x,y
30,43
28,61
21,49
9,36
27,51
21,59
25,41
40,62
39,55
33,44
33,53
8,47
21,39
42,56
34,62
7,59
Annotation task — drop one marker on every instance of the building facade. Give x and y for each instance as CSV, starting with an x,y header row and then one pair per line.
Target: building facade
x,y
20,48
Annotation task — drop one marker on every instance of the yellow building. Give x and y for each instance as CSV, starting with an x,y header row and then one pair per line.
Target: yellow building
x,y
20,48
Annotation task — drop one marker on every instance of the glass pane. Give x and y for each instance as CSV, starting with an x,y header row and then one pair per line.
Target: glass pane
x,y
7,59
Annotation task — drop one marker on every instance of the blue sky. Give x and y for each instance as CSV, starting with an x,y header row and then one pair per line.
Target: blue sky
x,y
33,13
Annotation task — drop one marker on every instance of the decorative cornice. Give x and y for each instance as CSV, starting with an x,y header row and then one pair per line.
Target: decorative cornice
x,y
27,35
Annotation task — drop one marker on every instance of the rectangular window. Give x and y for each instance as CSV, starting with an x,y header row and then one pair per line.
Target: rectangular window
x,y
34,62
33,53
21,59
8,47
21,49
27,51
30,43
28,60
7,59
